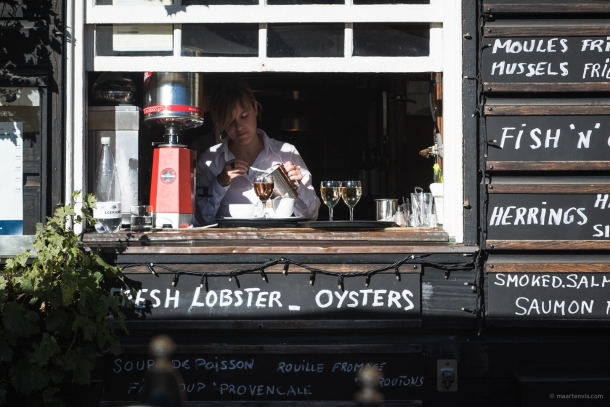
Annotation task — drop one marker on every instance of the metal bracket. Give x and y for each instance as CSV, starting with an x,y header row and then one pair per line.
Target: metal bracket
x,y
446,375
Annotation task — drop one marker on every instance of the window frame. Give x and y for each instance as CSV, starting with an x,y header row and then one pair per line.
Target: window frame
x,y
444,17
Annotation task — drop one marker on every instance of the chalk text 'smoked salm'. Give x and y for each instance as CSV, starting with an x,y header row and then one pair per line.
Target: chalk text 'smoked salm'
x,y
549,295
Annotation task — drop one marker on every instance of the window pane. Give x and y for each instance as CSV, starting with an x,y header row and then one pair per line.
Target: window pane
x,y
391,40
391,1
219,2
305,40
220,40
279,2
134,2
135,40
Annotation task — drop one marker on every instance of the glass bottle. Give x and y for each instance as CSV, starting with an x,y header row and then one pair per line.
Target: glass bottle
x,y
107,192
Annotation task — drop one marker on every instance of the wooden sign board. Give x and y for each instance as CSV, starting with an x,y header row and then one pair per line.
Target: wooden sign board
x,y
283,297
565,296
550,63
307,376
525,220
548,142
545,6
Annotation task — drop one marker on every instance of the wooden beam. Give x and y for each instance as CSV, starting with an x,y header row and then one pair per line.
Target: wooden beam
x,y
492,87
557,7
547,166
543,110
548,245
547,268
548,189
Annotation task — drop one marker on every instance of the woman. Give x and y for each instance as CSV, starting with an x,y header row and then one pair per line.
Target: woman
x,y
228,169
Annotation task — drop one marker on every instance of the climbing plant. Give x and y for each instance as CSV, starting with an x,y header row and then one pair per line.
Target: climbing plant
x,y
54,312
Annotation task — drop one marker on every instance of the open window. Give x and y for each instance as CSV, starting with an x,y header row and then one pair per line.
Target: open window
x,y
369,91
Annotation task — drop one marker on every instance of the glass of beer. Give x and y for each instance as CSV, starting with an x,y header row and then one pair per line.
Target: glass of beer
x,y
263,188
351,192
330,191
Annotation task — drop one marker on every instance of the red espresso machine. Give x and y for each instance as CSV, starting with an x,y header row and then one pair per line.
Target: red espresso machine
x,y
173,100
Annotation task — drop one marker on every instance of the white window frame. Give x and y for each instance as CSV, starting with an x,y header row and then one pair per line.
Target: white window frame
x,y
444,17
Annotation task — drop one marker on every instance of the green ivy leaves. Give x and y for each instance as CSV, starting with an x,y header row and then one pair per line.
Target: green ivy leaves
x,y
54,311
18,321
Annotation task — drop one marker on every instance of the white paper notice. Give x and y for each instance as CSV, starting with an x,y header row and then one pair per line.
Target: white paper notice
x,y
143,37
11,167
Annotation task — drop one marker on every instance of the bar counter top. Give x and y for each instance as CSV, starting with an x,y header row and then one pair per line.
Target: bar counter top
x,y
277,241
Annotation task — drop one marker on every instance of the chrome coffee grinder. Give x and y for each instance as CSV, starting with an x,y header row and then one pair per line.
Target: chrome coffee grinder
x,y
173,100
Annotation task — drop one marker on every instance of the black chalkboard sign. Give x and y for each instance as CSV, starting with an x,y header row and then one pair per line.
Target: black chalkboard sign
x,y
282,297
546,60
269,377
548,138
548,217
548,295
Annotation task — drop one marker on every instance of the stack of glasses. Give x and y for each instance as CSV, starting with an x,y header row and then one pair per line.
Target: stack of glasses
x,y
423,210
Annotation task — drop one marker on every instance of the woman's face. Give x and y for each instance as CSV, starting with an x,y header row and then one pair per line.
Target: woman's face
x,y
242,129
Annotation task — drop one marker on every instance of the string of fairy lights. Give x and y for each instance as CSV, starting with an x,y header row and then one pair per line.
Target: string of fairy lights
x,y
479,283
313,271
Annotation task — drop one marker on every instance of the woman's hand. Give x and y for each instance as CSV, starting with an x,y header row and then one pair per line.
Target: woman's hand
x,y
232,169
293,171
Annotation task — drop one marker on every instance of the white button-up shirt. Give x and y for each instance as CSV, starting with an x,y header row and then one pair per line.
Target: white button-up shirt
x,y
241,189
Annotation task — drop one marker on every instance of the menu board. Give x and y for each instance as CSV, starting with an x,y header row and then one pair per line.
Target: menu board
x,y
306,376
11,167
281,297
548,217
546,60
548,138
548,295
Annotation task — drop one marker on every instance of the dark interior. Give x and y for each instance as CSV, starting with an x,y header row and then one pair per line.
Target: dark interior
x,y
339,130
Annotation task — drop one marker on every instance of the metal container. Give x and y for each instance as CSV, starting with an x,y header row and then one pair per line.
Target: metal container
x,y
114,88
121,124
282,185
173,98
385,209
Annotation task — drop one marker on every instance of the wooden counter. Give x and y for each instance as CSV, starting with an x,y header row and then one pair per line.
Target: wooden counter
x,y
276,241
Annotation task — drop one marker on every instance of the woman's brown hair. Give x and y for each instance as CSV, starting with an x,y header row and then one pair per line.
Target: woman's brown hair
x,y
224,107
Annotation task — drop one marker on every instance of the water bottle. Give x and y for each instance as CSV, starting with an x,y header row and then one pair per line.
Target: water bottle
x,y
107,192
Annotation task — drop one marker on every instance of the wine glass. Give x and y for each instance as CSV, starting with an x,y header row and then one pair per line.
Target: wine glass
x,y
263,188
351,192
331,194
